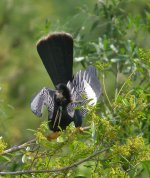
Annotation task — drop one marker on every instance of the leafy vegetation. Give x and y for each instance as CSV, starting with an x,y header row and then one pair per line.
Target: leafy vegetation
x,y
114,37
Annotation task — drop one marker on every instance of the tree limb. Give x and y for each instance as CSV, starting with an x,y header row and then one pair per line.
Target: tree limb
x,y
19,147
22,146
55,170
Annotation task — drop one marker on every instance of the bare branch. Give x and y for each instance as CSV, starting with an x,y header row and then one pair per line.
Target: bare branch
x,y
55,170
19,147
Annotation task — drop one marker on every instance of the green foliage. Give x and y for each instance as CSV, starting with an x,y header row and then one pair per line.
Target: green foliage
x,y
117,142
3,145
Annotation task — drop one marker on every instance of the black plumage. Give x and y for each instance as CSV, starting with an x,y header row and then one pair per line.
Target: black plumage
x,y
56,52
60,118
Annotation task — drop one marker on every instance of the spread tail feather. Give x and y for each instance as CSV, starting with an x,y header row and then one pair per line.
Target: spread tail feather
x,y
56,52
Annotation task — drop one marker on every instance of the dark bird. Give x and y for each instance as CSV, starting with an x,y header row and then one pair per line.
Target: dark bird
x,y
56,52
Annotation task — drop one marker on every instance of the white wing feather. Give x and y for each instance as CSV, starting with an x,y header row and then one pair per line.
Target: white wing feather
x,y
85,89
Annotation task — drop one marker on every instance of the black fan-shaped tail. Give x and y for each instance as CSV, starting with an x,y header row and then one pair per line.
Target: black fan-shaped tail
x,y
56,52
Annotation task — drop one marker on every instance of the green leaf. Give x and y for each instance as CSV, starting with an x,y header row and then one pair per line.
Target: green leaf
x,y
6,158
146,166
24,158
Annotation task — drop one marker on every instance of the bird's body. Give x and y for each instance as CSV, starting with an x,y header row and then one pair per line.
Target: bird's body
x,y
56,52
60,118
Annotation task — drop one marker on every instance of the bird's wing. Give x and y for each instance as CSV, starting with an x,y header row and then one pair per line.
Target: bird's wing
x,y
44,97
56,52
85,89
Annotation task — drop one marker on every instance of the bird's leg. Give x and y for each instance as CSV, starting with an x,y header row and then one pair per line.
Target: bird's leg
x,y
53,136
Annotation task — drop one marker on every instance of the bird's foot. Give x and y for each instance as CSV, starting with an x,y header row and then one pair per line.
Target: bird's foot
x,y
53,136
79,130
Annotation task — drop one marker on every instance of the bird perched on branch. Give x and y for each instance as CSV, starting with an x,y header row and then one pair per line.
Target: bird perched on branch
x,y
56,53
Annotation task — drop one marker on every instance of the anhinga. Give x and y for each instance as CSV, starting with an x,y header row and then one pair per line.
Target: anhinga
x,y
56,52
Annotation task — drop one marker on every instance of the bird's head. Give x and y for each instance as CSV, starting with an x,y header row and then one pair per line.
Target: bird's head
x,y
62,95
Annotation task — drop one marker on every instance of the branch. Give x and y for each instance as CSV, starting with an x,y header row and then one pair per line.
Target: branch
x,y
22,146
129,77
55,169
19,147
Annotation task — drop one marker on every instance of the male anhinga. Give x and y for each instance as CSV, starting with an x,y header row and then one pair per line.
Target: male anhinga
x,y
56,52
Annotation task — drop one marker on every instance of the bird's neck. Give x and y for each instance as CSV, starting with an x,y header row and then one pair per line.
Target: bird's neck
x,y
62,96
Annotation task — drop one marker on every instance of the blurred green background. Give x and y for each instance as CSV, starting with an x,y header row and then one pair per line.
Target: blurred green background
x,y
22,74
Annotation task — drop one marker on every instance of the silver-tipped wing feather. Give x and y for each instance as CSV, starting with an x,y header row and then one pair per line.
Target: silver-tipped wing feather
x,y
44,97
85,89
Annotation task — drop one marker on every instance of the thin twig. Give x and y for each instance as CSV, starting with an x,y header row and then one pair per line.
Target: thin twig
x,y
117,74
106,92
124,84
127,161
34,158
96,165
55,169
